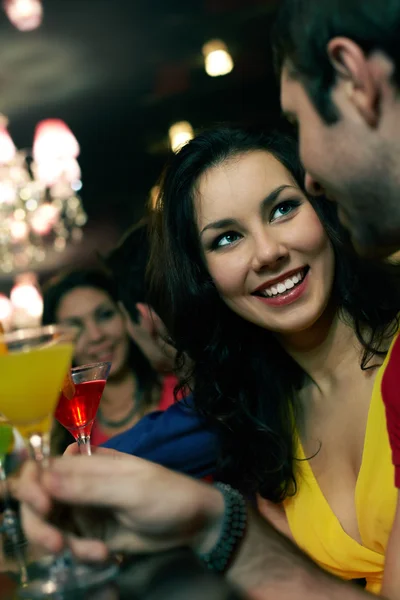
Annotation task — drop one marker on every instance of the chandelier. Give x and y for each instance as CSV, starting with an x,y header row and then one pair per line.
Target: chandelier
x,y
40,208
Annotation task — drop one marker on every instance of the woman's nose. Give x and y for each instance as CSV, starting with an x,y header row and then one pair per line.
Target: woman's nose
x,y
268,251
93,332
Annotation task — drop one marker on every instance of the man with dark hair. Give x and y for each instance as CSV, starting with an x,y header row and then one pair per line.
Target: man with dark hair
x,y
339,63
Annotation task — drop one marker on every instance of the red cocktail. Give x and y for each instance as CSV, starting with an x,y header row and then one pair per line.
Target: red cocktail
x,y
80,399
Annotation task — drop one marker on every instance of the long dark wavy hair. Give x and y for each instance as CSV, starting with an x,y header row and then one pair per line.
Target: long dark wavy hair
x,y
242,378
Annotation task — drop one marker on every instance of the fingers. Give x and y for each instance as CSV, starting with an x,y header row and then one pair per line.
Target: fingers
x,y
30,491
42,534
72,450
39,532
87,549
102,479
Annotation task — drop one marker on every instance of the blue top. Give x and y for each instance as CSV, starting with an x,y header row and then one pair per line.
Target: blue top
x,y
177,438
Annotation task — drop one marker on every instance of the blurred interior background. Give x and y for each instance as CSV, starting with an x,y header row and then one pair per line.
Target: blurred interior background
x,y
119,74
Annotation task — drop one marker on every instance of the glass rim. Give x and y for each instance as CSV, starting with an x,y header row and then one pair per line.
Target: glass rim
x,y
81,368
32,332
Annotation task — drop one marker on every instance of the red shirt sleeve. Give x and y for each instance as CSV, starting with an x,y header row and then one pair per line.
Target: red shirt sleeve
x,y
391,398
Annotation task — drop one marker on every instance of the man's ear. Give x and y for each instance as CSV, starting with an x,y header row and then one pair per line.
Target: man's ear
x,y
355,72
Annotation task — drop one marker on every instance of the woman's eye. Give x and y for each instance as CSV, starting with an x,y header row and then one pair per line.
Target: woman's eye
x,y
105,315
226,239
283,209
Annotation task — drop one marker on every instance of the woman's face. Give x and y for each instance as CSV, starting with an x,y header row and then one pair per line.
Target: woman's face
x,y
103,335
264,246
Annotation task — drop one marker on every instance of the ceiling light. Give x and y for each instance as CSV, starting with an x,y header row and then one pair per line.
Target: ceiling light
x,y
217,59
25,15
180,134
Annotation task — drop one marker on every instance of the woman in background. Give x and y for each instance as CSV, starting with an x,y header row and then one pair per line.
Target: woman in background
x,y
87,299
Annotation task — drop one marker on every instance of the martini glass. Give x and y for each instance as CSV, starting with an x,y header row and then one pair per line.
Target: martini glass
x,y
80,399
33,364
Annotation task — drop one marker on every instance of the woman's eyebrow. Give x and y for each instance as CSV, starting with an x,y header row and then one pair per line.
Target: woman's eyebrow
x,y
270,199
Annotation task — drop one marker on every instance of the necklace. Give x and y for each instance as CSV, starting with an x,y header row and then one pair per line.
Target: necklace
x,y
122,422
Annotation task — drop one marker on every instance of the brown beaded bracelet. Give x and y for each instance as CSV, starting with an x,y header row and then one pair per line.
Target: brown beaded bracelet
x,y
232,531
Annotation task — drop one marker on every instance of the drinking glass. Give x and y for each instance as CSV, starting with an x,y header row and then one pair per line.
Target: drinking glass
x,y
33,364
80,399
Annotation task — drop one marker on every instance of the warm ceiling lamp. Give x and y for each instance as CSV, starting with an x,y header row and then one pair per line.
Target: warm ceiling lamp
x,y
180,134
217,59
25,15
26,301
39,204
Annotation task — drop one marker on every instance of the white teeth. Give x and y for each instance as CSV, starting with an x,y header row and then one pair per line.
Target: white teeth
x,y
289,284
284,286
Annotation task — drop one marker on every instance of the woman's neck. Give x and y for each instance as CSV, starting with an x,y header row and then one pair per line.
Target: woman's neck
x,y
328,351
119,392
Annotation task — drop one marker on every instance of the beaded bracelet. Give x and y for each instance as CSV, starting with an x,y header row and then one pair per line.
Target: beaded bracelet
x,y
232,531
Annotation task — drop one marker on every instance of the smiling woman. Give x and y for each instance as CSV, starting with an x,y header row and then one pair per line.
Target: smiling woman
x,y
87,299
289,331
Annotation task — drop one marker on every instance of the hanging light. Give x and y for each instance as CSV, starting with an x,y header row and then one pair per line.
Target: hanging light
x,y
25,15
217,59
39,204
26,301
53,138
179,134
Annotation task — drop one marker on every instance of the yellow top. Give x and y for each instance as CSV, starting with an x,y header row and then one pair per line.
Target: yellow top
x,y
317,530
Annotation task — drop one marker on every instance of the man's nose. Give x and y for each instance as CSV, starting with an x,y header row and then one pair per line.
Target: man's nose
x,y
313,187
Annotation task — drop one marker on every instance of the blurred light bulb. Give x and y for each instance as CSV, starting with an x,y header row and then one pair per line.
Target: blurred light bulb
x,y
19,230
26,299
179,134
25,15
217,59
44,218
54,140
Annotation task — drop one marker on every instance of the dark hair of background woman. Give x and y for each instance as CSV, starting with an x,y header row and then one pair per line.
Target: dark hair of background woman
x,y
242,377
58,287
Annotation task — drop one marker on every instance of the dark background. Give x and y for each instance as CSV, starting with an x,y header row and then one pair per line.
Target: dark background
x,y
120,72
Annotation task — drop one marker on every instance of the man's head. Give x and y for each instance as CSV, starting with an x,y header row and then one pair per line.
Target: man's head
x,y
128,262
339,63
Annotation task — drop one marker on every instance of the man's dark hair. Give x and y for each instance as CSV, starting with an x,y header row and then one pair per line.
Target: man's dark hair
x,y
304,28
127,263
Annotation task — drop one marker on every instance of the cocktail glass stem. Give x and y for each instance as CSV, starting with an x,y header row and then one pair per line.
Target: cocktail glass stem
x,y
11,527
84,444
39,445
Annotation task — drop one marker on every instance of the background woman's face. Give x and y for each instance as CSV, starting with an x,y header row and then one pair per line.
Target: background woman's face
x,y
103,335
264,246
